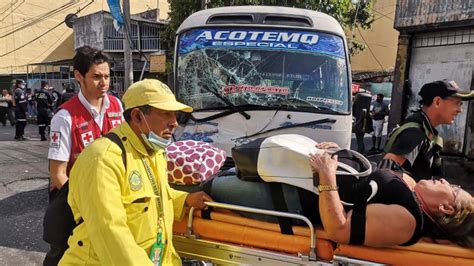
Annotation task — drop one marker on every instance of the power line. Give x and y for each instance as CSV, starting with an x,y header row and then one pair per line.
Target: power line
x,y
368,46
32,28
12,10
60,37
6,8
355,18
48,31
382,14
18,48
44,15
40,18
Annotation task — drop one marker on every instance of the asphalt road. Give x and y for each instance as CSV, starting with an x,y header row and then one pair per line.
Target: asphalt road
x,y
21,226
23,197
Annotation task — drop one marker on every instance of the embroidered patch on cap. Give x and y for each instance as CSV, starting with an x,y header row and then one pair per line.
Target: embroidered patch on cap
x,y
453,84
135,180
55,139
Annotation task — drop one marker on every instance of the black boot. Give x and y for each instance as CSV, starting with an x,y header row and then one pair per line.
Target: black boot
x,y
43,138
373,144
377,143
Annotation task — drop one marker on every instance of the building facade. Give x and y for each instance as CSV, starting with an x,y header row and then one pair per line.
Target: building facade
x,y
33,32
436,42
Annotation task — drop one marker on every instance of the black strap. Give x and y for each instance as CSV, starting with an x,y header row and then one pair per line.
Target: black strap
x,y
116,139
279,204
206,186
206,213
361,190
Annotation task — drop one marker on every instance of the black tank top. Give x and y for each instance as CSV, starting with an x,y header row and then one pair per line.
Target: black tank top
x,y
391,190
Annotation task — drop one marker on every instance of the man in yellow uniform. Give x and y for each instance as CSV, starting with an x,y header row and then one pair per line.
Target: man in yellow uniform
x,y
125,213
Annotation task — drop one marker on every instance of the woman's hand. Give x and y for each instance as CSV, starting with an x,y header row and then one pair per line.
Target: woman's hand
x,y
323,164
327,145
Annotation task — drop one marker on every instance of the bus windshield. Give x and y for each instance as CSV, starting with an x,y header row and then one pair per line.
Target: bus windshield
x,y
269,68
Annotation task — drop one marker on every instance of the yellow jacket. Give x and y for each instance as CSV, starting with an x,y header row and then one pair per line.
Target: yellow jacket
x,y
118,208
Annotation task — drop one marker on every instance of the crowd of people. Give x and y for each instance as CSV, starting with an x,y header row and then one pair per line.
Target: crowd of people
x,y
20,105
111,203
369,118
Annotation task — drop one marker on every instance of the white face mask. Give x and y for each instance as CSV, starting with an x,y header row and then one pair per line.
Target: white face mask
x,y
154,141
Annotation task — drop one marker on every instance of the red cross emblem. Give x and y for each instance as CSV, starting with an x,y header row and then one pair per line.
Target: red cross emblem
x,y
116,122
87,138
55,139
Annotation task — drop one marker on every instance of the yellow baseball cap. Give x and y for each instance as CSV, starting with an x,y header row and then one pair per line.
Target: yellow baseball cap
x,y
154,93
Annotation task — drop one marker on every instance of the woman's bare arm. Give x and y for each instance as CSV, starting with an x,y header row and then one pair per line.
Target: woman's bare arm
x,y
386,225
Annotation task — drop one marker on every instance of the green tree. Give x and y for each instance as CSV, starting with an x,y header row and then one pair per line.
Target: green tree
x,y
349,15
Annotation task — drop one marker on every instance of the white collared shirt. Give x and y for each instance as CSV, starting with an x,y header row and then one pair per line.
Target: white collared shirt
x,y
61,127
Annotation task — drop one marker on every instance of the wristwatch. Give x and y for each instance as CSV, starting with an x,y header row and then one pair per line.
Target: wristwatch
x,y
322,188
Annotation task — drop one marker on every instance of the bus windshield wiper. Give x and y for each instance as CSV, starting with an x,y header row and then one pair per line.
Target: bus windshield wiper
x,y
236,109
310,123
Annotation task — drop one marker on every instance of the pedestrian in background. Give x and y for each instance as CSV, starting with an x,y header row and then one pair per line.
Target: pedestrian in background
x,y
44,102
4,99
379,110
77,123
30,98
415,145
69,92
11,108
21,108
362,123
124,207
57,98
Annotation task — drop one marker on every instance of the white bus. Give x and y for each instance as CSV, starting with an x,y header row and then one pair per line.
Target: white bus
x,y
256,71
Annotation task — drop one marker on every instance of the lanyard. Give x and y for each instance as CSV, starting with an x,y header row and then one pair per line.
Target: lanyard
x,y
156,190
157,249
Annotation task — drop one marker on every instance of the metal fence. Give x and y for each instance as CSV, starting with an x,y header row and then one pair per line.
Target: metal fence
x,y
145,37
442,38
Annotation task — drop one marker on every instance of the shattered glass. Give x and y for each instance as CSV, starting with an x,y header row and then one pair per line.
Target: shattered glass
x,y
299,80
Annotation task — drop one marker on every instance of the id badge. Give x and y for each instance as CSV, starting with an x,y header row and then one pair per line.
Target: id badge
x,y
156,252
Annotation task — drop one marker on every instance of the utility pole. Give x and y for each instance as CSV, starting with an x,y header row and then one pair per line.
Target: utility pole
x,y
204,4
127,52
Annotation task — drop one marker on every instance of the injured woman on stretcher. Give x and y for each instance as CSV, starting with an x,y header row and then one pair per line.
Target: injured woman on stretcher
x,y
384,208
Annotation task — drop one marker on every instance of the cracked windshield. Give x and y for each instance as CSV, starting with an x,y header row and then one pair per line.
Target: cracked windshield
x,y
269,68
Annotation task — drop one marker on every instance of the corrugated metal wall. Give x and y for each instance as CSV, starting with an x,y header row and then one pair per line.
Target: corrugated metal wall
x,y
421,12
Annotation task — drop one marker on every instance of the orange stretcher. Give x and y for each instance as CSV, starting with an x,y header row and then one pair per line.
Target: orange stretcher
x,y
228,238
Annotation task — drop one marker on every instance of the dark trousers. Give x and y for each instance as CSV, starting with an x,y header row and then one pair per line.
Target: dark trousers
x,y
20,116
43,120
58,224
3,115
54,255
360,142
11,116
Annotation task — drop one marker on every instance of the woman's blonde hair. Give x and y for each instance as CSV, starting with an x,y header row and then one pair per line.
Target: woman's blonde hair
x,y
460,225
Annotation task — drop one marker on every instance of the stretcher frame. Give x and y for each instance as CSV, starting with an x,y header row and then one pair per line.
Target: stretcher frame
x,y
190,246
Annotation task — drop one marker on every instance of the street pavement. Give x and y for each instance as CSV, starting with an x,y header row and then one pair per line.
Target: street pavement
x,y
23,197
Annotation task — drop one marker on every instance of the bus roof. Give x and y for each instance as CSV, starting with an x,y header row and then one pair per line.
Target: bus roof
x,y
316,20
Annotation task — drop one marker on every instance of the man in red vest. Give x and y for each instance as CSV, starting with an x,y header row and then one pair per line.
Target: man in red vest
x,y
77,123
